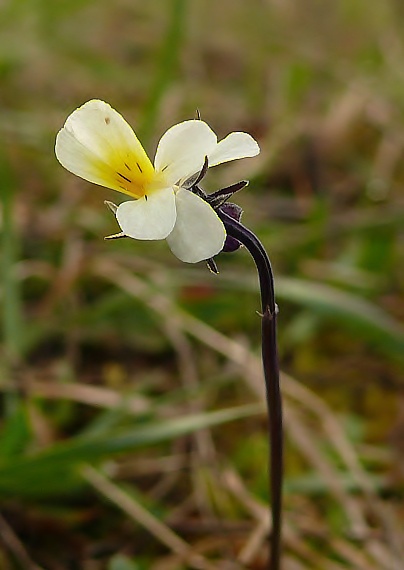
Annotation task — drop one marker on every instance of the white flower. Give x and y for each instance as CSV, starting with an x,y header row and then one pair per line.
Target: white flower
x,y
97,144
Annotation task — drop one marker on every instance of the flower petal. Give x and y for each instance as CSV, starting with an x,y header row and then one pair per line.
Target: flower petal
x,y
234,146
198,232
150,217
182,149
97,144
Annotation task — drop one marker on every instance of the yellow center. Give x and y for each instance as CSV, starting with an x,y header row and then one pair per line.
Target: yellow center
x,y
130,172
134,179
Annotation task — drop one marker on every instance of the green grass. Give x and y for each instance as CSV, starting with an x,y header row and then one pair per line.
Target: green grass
x,y
130,436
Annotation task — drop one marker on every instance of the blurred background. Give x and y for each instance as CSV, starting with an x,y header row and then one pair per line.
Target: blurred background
x,y
133,429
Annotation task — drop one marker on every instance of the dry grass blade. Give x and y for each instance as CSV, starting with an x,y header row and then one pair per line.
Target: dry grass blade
x,y
293,390
334,432
292,539
189,376
142,516
15,546
85,394
306,443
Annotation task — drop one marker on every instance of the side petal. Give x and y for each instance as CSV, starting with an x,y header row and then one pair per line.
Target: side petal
x,y
150,217
234,146
198,233
182,149
97,144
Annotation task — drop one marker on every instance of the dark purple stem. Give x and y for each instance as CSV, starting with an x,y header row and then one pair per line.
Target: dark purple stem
x,y
271,374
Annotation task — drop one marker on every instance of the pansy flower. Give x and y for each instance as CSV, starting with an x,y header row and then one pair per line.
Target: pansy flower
x,y
97,144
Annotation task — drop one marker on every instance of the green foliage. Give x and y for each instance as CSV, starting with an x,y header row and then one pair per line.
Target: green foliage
x,y
55,470
15,435
120,562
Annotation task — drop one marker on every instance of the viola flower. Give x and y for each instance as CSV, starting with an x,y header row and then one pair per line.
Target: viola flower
x,y
97,144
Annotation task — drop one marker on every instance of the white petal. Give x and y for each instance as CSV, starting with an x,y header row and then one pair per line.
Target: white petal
x,y
150,217
182,149
97,144
198,232
234,146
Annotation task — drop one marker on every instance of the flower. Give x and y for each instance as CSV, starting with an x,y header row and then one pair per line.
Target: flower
x,y
97,144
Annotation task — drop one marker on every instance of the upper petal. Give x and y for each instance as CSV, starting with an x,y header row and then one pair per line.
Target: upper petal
x,y
97,144
150,217
182,149
198,232
235,145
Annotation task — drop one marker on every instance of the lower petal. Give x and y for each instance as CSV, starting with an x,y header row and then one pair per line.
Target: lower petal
x,y
198,233
150,217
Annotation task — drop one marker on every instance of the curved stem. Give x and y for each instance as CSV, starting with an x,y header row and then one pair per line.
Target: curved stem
x,y
271,374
